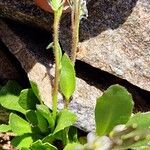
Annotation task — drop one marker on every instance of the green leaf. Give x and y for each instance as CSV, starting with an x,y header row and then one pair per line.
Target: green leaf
x,y
49,138
38,145
42,122
50,45
73,146
9,96
55,4
24,141
140,120
18,125
32,117
45,112
35,89
73,134
5,128
25,148
65,119
67,77
27,99
114,107
37,120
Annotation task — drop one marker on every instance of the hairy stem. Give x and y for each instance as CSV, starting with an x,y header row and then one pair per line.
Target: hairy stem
x,y
75,18
57,16
66,104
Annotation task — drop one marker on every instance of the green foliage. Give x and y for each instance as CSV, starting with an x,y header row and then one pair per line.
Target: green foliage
x,y
5,128
73,146
45,112
9,96
24,141
18,125
38,145
51,46
27,99
42,122
36,122
38,128
31,117
73,134
113,107
67,77
55,4
65,119
140,120
35,90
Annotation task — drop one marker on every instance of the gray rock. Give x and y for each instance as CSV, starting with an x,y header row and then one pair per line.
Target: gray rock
x,y
116,38
39,69
7,70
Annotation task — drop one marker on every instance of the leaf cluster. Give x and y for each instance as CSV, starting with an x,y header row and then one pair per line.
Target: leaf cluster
x,y
32,122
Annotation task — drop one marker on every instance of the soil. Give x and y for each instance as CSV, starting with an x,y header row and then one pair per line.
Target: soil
x,y
5,141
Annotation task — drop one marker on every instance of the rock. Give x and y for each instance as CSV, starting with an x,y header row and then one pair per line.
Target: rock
x,y
25,12
7,70
115,37
30,50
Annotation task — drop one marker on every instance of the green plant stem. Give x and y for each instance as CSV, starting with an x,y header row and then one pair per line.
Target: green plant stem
x,y
65,137
75,19
66,103
57,16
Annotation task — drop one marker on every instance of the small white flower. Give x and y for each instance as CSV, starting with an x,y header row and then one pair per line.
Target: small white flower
x,y
119,128
91,137
98,143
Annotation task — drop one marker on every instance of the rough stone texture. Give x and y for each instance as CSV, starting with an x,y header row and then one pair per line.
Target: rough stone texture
x,y
25,11
116,38
22,44
7,70
36,71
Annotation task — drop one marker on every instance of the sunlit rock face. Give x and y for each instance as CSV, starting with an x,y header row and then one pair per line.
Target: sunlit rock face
x,y
116,38
30,51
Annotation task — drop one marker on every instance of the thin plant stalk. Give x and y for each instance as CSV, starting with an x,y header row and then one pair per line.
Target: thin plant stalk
x,y
57,16
75,19
66,105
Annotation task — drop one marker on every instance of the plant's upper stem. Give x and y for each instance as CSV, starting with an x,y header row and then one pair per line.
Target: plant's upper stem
x,y
75,18
57,16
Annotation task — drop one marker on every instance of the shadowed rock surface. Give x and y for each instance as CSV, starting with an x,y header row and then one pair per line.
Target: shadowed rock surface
x,y
25,11
7,70
30,50
115,37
